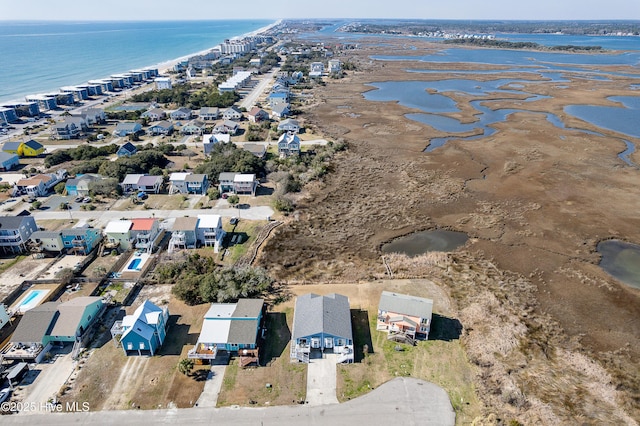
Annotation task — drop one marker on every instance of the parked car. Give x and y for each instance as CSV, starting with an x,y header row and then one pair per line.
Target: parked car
x,y
233,220
4,394
86,200
79,199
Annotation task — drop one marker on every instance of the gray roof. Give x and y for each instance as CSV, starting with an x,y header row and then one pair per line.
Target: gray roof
x,y
195,178
80,230
245,331
71,312
328,314
4,156
11,146
35,323
149,180
405,304
11,222
45,234
226,176
128,125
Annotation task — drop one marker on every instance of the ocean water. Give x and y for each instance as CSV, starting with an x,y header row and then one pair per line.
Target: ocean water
x,y
38,57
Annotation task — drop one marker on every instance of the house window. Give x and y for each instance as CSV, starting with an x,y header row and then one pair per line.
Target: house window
x,y
424,321
129,346
340,342
141,345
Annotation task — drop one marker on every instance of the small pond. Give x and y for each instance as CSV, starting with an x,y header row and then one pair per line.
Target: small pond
x,y
422,242
621,260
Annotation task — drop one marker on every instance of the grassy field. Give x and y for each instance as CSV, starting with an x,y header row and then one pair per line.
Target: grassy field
x,y
247,230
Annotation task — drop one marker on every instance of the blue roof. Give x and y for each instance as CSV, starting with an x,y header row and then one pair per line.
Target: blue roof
x,y
129,147
34,145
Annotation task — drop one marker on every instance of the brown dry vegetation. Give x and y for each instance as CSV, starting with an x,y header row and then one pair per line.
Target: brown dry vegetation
x,y
555,339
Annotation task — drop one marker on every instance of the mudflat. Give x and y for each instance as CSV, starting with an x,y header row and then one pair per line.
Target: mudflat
x,y
553,337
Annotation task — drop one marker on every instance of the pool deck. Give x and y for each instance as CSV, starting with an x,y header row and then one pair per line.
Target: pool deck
x,y
52,289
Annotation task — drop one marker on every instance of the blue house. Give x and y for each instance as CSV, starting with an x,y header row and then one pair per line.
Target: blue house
x,y
8,161
322,324
81,240
197,184
143,332
127,150
229,327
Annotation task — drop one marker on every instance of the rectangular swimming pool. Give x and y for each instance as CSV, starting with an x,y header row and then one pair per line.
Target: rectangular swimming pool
x,y
31,300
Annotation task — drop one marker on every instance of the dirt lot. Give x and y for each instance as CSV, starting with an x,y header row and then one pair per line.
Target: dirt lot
x,y
535,200
109,380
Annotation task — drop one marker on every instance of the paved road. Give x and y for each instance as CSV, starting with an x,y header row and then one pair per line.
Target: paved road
x,y
103,217
402,401
250,100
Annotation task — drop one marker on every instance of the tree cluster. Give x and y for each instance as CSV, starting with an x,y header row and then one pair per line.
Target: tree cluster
x,y
199,280
227,157
186,95
82,152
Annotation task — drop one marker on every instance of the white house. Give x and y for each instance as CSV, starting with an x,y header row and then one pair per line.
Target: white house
x,y
163,83
209,231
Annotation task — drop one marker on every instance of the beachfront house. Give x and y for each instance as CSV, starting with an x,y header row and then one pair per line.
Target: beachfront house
x,y
15,232
74,319
117,233
8,161
288,145
80,240
126,128
127,150
406,318
183,233
322,324
144,232
182,113
46,241
210,232
289,125
28,340
209,113
163,127
143,332
231,328
66,130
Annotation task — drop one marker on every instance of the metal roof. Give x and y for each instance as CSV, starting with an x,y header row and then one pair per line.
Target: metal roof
x,y
316,314
419,307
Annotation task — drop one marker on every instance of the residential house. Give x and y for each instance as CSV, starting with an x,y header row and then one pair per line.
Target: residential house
x,y
130,182
288,145
232,113
53,323
225,182
8,161
257,114
184,233
65,130
276,98
181,114
5,318
12,148
49,241
209,141
117,233
144,233
35,186
279,111
154,114
127,150
316,69
334,66
143,332
31,148
163,83
209,113
177,184
94,116
194,127
289,125
322,324
210,232
227,126
257,149
197,183
245,183
126,128
404,316
150,184
233,328
81,240
80,185
161,128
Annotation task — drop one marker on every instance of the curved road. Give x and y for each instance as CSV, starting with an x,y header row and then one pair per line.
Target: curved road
x,y
403,401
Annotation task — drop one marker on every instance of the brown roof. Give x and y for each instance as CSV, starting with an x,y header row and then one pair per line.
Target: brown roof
x,y
185,224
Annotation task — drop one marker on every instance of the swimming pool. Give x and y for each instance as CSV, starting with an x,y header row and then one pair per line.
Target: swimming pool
x,y
31,300
135,264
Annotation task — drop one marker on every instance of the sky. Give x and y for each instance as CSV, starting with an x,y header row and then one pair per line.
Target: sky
x,y
74,10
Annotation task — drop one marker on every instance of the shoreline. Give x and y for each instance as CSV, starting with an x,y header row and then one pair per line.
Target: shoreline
x,y
163,67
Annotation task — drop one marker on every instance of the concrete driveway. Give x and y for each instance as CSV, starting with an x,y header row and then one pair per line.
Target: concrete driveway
x,y
209,395
321,380
402,401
